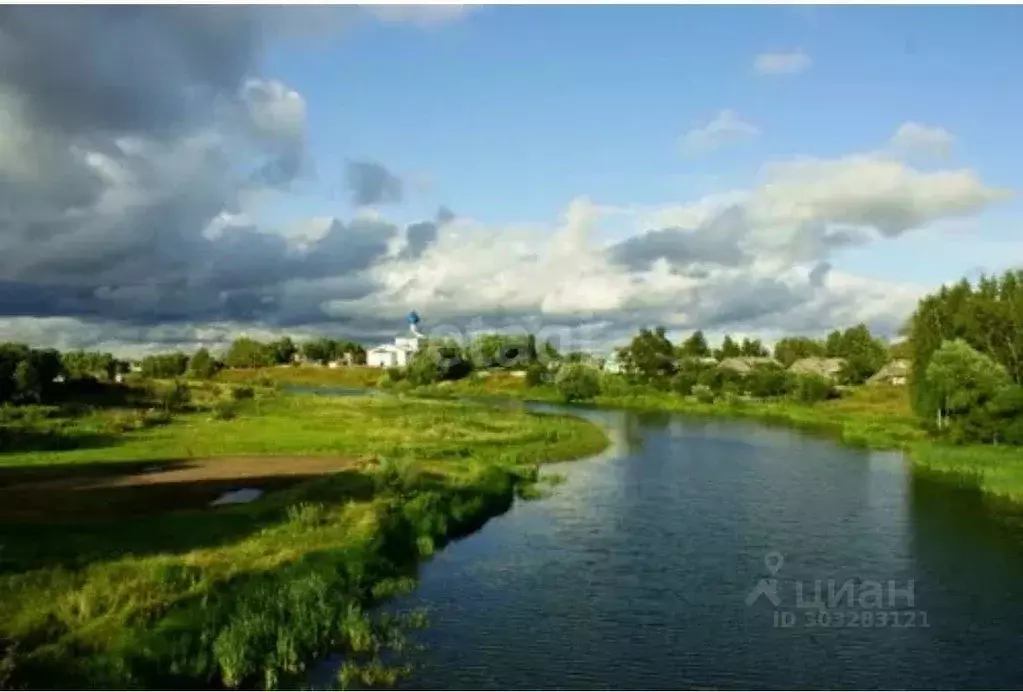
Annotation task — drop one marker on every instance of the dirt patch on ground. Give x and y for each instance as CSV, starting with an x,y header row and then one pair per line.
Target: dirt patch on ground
x,y
100,491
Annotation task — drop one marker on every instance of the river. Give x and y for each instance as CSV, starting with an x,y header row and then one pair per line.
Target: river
x,y
638,571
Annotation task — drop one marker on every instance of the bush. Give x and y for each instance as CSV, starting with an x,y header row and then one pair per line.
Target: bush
x,y
684,381
242,393
176,397
768,381
224,410
536,375
703,394
812,388
578,383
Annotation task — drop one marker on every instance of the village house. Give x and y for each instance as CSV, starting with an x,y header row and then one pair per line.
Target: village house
x,y
745,364
828,368
894,373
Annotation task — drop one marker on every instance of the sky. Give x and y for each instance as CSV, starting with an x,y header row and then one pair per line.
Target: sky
x,y
176,177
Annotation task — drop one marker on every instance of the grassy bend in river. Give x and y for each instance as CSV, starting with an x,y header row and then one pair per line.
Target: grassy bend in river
x,y
878,417
131,581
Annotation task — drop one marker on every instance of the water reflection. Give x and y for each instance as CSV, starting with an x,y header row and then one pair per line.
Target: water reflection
x,y
634,573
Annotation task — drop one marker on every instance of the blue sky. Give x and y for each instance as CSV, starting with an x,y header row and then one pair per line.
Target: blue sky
x,y
511,111
608,166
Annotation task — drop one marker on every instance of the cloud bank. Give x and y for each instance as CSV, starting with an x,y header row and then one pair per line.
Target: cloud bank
x,y
127,222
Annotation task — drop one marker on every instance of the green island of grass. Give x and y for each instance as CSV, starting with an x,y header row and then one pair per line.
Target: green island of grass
x,y
115,572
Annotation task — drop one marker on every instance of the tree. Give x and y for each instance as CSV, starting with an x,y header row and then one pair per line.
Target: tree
x,y
728,349
248,353
283,350
792,348
202,366
753,348
695,346
649,356
989,318
165,366
578,383
863,353
28,383
960,379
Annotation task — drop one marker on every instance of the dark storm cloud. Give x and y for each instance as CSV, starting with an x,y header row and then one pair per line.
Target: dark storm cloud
x,y
371,183
419,236
88,69
714,242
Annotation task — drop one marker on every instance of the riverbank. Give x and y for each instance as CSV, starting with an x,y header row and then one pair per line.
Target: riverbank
x,y
875,417
247,595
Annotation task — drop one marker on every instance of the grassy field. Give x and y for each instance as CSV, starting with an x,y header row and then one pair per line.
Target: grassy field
x,y
311,375
172,593
873,417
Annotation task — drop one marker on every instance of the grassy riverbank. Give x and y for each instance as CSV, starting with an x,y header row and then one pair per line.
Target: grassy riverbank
x,y
872,417
166,596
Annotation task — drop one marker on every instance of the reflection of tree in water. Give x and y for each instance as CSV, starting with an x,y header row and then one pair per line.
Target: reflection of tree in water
x,y
969,554
632,426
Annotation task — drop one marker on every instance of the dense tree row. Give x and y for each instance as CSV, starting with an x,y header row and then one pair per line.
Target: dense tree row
x,y
966,345
651,357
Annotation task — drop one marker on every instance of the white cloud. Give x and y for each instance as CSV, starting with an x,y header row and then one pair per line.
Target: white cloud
x,y
782,63
726,128
913,139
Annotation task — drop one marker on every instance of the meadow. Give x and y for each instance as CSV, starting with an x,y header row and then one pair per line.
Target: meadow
x,y
115,572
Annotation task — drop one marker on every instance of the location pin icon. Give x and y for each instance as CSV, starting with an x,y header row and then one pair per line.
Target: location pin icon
x,y
773,561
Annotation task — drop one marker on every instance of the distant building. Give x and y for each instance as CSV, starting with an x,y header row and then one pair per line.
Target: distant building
x,y
828,368
894,373
398,354
745,364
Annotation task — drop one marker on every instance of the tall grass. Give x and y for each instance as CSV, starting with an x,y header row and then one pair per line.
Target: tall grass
x,y
249,595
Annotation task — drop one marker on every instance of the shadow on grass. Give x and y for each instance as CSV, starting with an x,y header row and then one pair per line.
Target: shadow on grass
x,y
65,517
16,439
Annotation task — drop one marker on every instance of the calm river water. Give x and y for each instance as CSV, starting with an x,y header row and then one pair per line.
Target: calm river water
x,y
637,572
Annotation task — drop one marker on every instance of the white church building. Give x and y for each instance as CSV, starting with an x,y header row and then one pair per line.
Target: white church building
x,y
398,354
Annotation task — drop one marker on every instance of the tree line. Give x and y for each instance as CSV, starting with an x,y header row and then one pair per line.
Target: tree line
x,y
966,344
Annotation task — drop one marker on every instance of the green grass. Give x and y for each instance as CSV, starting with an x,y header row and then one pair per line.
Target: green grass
x,y
248,595
310,375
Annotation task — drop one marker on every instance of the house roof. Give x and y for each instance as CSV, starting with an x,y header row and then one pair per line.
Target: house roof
x,y
895,368
816,365
744,364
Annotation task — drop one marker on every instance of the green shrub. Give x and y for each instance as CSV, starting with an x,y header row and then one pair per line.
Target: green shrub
x,y
768,381
703,394
224,410
176,397
578,383
684,381
242,393
536,374
811,388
